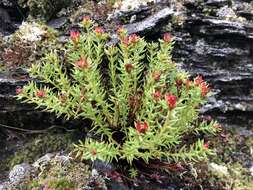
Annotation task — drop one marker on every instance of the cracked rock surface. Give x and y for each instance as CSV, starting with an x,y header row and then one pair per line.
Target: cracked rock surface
x,y
214,38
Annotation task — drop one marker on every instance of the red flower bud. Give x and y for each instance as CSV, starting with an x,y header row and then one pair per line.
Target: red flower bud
x,y
133,38
206,146
156,75
141,127
121,30
204,89
115,176
171,101
125,41
82,63
207,118
187,85
93,152
129,67
99,30
157,95
41,94
179,82
217,126
198,80
167,37
19,90
75,36
86,20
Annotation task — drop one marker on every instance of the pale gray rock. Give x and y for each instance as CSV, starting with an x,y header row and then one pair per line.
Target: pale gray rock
x,y
20,174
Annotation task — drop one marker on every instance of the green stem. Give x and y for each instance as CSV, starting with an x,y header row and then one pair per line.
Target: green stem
x,y
169,116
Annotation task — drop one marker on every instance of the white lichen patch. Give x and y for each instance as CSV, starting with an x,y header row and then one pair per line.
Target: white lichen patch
x,y
130,5
251,170
30,32
218,170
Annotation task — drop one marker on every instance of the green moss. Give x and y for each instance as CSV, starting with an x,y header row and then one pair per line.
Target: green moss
x,y
60,184
234,151
39,146
58,176
26,46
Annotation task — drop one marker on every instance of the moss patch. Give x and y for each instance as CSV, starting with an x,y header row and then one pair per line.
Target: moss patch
x,y
26,46
41,145
59,176
234,151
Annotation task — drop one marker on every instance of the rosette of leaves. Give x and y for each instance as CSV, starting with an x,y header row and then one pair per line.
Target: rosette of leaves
x,y
140,105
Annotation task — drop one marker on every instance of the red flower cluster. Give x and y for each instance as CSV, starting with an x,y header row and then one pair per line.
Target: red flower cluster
x,y
125,41
187,85
179,82
41,94
82,63
141,127
75,36
132,39
19,90
167,38
198,80
204,89
86,21
129,67
171,101
99,30
157,95
206,146
120,30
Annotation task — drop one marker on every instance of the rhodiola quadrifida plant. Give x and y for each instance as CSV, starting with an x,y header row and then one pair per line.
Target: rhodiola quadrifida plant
x,y
140,105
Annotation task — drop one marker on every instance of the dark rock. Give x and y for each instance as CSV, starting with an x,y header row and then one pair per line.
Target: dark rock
x,y
5,21
57,23
11,15
103,166
150,25
139,13
14,113
222,52
218,3
7,3
45,9
114,185
219,48
248,15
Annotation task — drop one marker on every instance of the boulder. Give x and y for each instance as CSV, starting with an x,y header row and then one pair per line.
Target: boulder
x,y
20,174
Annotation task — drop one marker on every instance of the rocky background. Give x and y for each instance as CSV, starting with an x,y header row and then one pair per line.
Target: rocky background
x,y
214,38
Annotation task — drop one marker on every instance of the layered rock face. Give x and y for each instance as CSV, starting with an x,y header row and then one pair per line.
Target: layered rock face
x,y
219,46
214,38
15,114
11,15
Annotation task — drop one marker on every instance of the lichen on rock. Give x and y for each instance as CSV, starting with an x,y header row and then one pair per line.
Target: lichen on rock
x,y
44,9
